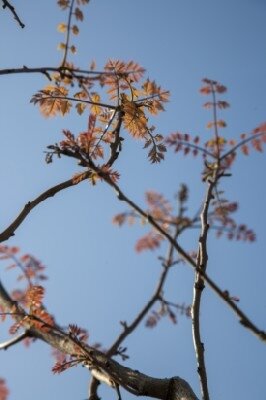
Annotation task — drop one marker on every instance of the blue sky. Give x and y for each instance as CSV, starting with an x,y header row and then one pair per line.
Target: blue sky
x,y
95,277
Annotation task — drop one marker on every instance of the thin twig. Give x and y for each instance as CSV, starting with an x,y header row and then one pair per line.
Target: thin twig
x,y
68,32
250,138
202,259
10,230
7,4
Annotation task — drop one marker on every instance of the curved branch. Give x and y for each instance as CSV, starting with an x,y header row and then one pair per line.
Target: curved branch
x,y
244,141
103,367
10,230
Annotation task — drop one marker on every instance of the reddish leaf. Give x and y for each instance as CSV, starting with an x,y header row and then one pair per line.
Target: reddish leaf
x,y
4,391
150,241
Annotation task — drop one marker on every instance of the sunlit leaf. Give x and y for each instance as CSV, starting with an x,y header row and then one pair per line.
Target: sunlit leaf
x,y
61,28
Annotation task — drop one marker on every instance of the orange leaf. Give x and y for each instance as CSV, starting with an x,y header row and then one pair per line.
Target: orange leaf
x,y
245,149
151,241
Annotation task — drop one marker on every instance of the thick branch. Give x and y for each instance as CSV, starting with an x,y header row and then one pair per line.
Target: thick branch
x,y
105,368
10,230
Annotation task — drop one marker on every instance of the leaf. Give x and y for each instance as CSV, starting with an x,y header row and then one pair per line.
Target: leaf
x,y
209,104
34,296
51,100
61,46
95,109
65,106
245,149
78,14
4,391
260,129
205,90
222,104
112,175
73,49
220,88
91,123
77,178
80,107
62,28
78,333
75,30
150,241
134,118
119,219
64,4
221,123
257,144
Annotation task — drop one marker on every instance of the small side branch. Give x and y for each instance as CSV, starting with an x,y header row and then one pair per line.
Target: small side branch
x,y
10,230
7,4
11,342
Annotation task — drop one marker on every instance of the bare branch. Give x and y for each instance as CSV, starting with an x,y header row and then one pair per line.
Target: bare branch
x,y
70,13
244,141
202,259
11,342
7,4
10,230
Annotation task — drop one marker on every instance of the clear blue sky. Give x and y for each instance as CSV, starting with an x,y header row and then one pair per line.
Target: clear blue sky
x,y
95,278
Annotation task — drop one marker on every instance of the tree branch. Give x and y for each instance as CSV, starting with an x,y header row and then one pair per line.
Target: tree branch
x,y
61,69
10,230
70,13
101,366
202,259
7,4
11,342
